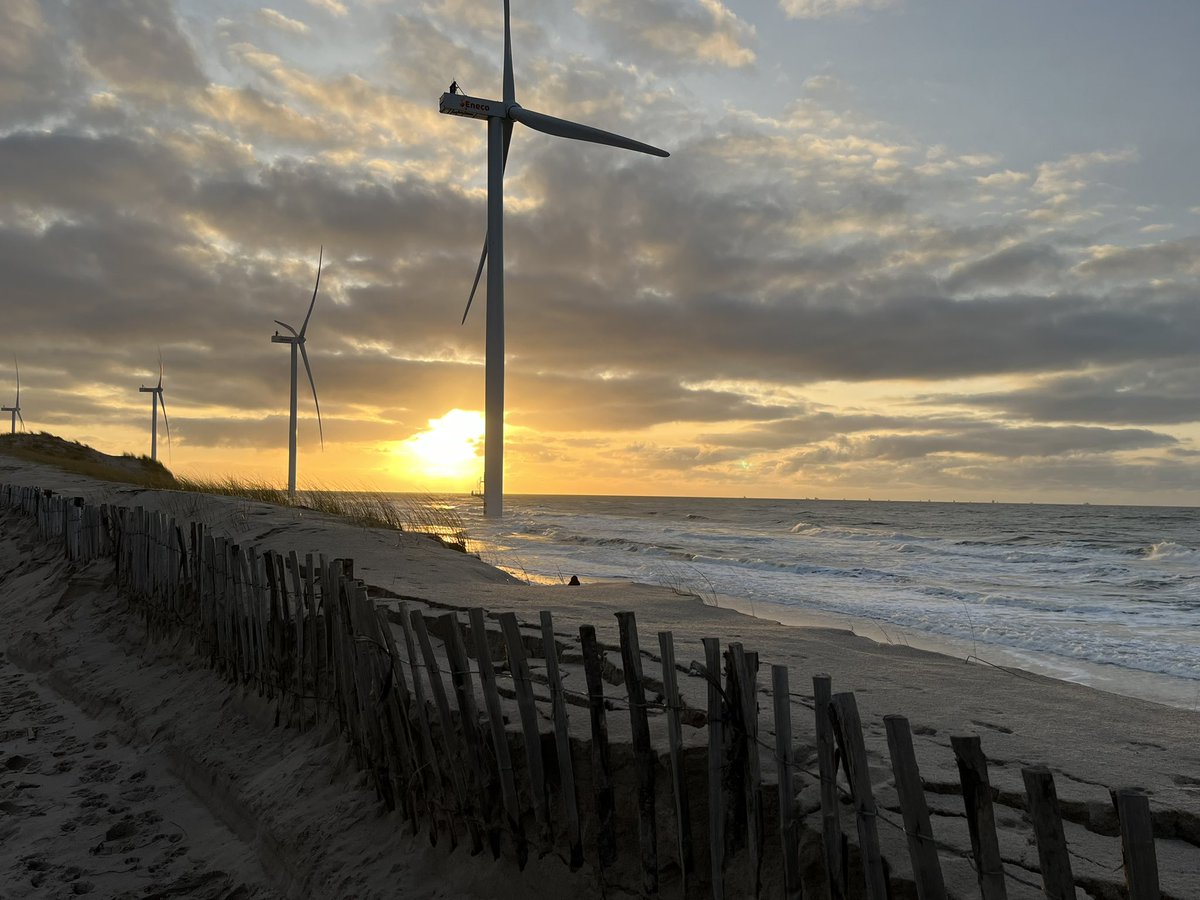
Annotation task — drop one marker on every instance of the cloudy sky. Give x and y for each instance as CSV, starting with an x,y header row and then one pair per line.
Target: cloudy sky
x,y
902,248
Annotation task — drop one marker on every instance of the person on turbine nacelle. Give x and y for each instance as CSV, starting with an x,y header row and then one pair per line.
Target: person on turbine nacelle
x,y
454,87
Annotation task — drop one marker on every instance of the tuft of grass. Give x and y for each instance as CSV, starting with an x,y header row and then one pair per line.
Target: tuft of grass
x,y
418,514
233,486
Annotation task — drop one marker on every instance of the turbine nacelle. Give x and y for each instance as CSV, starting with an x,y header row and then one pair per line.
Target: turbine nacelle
x,y
471,107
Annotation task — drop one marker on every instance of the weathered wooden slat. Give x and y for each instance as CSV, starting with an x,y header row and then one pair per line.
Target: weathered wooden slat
x,y
415,772
646,763
468,709
922,849
446,723
503,754
606,833
429,752
833,840
519,667
562,742
1053,856
746,668
679,791
1137,844
789,838
981,818
716,766
848,731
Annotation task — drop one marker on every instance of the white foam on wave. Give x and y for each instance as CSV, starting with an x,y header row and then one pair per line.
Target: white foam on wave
x,y
1110,594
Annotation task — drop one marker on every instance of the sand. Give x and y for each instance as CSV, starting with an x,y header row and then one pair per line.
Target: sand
x,y
130,769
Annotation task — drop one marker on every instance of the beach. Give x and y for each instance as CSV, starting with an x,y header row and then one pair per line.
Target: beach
x,y
202,793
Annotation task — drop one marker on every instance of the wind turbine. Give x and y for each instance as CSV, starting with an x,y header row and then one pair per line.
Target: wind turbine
x,y
15,409
296,339
500,115
156,397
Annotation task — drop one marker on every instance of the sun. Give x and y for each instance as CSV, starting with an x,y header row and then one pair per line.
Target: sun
x,y
449,449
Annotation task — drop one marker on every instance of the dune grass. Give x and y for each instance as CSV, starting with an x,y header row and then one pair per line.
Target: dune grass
x,y
73,456
416,514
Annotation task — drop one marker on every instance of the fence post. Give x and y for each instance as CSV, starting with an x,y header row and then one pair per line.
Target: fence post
x,y
683,815
631,662
442,706
562,739
981,819
848,730
519,668
1053,855
464,692
716,766
745,666
491,696
922,850
1137,844
834,841
431,755
606,837
788,836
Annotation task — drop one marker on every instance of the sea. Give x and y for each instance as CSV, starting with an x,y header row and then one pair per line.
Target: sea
x,y
1107,596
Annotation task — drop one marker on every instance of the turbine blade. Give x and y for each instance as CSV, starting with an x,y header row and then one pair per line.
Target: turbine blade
x,y
287,326
160,367
18,403
162,401
510,91
21,419
562,128
483,256
320,258
316,402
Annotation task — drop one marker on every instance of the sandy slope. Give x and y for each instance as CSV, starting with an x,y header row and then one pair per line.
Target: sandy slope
x,y
265,809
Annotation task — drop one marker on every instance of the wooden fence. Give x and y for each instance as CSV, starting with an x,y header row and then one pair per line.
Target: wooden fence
x,y
304,634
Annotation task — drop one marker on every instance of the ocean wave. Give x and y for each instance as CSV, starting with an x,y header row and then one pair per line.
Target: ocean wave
x,y
1166,550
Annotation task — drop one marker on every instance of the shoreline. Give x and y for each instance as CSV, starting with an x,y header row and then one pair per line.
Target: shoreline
x,y
1120,681
1092,739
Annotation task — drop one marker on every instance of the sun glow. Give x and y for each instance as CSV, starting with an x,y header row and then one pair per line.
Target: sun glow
x,y
451,448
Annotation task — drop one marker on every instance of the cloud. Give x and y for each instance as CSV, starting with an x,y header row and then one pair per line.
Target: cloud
x,y
37,78
333,7
278,20
820,9
1066,176
138,46
666,34
1008,268
1124,395
1162,260
699,319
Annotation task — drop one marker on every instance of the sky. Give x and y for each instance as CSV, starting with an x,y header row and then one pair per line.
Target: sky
x,y
902,249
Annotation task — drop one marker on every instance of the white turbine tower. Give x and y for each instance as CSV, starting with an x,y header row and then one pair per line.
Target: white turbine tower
x,y
296,339
500,115
15,409
156,397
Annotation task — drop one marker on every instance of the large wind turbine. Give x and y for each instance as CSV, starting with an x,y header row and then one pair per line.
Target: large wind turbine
x,y
15,409
500,115
296,339
156,397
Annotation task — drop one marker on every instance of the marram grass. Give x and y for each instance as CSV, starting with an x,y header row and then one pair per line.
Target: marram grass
x,y
417,514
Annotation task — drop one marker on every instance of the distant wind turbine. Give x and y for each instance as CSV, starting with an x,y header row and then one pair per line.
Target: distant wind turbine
x,y
156,397
500,115
297,341
15,409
